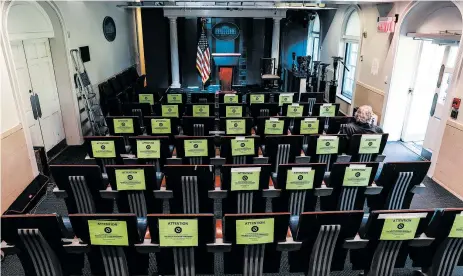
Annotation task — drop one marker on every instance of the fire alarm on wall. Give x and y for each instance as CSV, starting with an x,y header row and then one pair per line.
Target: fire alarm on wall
x,y
455,107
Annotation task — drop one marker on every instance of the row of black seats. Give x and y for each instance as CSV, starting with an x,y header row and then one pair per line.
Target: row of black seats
x,y
229,110
153,96
142,189
251,149
124,85
203,126
251,244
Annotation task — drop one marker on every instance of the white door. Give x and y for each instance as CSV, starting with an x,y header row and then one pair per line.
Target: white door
x,y
422,93
34,67
442,84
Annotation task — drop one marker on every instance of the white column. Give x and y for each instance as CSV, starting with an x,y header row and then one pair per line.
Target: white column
x,y
174,53
276,40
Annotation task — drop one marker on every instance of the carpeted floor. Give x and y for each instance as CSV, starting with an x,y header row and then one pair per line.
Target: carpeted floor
x,y
434,197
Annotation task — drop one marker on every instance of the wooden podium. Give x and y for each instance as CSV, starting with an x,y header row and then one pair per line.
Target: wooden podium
x,y
226,63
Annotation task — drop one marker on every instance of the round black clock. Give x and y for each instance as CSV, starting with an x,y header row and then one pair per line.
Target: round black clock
x,y
109,28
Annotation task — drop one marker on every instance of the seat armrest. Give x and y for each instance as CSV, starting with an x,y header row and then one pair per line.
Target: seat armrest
x,y
343,158
60,193
323,190
271,192
217,161
421,241
75,246
373,189
355,243
174,161
380,158
418,189
147,247
219,245
109,193
9,249
163,194
289,244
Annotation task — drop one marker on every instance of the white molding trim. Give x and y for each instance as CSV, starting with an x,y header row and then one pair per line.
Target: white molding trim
x,y
371,88
455,124
263,13
5,47
25,36
12,130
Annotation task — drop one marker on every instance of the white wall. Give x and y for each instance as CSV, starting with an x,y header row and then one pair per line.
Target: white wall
x,y
84,22
332,38
10,117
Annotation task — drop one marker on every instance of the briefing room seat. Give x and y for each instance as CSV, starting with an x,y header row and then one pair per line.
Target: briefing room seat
x,y
327,110
201,97
256,256
400,182
264,109
445,252
349,192
268,72
240,195
193,150
106,150
116,85
232,110
124,125
114,255
162,126
225,97
322,149
297,196
367,147
384,247
236,126
187,187
241,150
37,241
295,110
198,126
200,109
257,98
80,186
311,97
267,126
326,238
283,149
145,151
336,123
186,257
133,187
169,110
139,110
174,97
307,126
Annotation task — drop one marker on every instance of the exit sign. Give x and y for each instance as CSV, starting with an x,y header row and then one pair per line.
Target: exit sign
x,y
386,24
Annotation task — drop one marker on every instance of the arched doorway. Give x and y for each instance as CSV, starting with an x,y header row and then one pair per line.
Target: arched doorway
x,y
313,37
37,55
428,44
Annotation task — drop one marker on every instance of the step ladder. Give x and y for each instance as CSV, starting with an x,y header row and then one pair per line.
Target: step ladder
x,y
86,93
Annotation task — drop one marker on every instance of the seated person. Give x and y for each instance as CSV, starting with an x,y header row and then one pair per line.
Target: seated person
x,y
362,123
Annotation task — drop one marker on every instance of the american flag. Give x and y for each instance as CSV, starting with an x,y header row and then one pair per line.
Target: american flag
x,y
203,56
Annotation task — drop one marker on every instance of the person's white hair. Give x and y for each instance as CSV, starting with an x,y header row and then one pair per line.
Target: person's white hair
x,y
364,114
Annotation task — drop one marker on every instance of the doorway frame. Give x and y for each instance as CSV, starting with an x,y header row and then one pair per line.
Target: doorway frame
x,y
66,92
452,89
